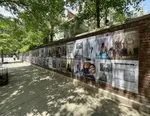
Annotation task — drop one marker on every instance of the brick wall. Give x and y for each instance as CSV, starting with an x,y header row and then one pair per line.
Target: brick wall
x,y
144,59
141,24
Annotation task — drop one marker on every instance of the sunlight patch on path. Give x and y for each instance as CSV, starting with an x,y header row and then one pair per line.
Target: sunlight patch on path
x,y
16,65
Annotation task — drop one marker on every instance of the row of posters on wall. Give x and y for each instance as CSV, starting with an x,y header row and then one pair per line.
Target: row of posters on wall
x,y
111,58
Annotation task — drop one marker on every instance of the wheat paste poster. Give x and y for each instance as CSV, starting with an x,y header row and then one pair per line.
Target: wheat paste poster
x,y
63,64
104,71
104,49
50,62
78,66
70,48
121,74
132,44
125,75
84,69
125,44
61,51
89,48
78,50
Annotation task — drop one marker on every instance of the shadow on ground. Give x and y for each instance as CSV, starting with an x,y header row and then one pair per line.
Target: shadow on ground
x,y
36,91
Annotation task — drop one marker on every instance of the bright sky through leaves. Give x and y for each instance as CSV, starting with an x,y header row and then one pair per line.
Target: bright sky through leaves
x,y
145,5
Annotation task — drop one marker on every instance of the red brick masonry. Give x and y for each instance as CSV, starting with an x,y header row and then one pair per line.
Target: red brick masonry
x,y
142,25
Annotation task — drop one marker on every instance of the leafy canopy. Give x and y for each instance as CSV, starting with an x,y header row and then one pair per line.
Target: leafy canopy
x,y
37,21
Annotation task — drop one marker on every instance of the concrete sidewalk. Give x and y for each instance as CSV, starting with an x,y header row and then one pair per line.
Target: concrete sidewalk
x,y
34,91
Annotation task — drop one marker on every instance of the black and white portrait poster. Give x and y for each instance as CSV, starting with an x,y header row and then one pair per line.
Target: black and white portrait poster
x,y
50,52
86,48
41,52
54,62
78,50
58,51
132,44
125,75
70,47
46,62
69,65
53,51
118,43
43,61
63,64
78,66
104,71
46,51
50,62
89,48
61,51
58,63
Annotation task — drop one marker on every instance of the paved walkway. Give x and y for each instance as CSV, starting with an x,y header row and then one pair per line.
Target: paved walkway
x,y
34,91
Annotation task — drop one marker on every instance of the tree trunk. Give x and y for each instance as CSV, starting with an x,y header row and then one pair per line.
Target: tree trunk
x,y
46,40
51,37
106,15
52,34
98,13
2,57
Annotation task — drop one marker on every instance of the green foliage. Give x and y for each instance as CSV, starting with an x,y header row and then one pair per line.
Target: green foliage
x,y
14,37
38,21
88,9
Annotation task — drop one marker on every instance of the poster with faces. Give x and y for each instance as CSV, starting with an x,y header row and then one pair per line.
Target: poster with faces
x,y
61,51
41,52
53,51
69,65
50,62
36,53
69,61
89,48
118,44
78,49
63,64
89,70
58,51
58,63
46,61
50,52
70,47
54,62
104,46
77,68
46,52
86,48
132,43
104,71
86,69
